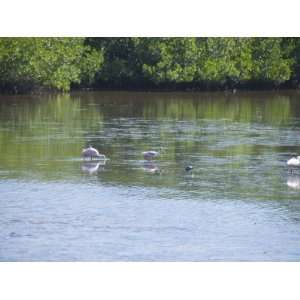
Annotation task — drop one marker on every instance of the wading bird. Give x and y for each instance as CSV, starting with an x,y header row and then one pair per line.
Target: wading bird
x,y
189,168
293,162
91,153
150,154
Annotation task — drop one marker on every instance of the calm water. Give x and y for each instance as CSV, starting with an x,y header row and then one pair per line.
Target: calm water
x,y
239,203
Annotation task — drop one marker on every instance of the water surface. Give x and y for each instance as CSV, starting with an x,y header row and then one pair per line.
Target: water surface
x,y
238,204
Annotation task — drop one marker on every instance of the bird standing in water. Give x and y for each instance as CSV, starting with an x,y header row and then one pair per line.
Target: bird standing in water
x,y
148,155
293,162
189,168
91,153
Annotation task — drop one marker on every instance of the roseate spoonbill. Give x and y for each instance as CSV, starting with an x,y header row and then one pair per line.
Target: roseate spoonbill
x,y
91,152
150,154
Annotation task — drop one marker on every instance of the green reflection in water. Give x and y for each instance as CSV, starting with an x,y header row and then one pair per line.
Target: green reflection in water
x,y
51,128
230,139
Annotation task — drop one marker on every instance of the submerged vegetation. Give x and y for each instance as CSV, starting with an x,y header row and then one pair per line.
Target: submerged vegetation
x,y
28,64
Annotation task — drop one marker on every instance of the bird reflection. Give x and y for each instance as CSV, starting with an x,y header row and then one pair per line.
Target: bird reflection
x,y
293,182
151,168
92,167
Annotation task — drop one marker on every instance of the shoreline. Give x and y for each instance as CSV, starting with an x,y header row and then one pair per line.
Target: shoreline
x,y
152,90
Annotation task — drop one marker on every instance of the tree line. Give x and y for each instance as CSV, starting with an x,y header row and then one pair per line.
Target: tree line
x,y
28,64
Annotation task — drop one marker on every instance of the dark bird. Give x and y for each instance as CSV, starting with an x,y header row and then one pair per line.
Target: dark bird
x,y
188,168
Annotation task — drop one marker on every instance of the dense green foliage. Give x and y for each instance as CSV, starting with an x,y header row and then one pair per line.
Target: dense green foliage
x,y
197,62
179,63
26,63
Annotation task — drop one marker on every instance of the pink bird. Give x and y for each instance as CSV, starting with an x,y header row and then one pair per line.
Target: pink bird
x,y
91,153
150,154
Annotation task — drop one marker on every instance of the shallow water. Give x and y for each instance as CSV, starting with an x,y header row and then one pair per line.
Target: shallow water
x,y
239,203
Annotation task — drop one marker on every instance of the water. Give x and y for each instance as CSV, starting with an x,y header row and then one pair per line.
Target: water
x,y
238,204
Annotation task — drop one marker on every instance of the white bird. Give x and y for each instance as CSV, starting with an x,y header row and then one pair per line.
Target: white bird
x,y
150,154
91,152
293,162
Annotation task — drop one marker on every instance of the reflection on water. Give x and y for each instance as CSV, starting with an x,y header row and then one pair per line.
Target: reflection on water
x,y
238,203
93,167
151,167
293,182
